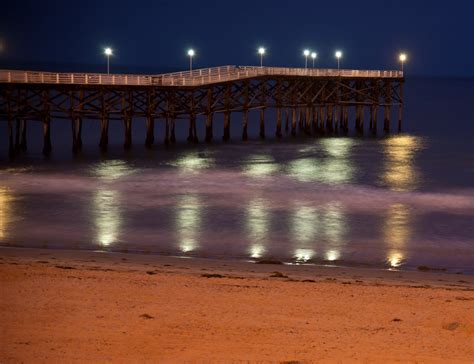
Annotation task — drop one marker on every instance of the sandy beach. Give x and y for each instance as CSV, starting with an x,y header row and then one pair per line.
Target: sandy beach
x,y
70,306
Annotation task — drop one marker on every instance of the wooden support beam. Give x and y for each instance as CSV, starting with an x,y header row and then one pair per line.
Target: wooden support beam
x,y
388,100
300,118
172,129
307,128
336,118
128,132
400,108
227,101
314,119
263,97
17,135
262,123
287,118
340,119
23,141
278,99
170,118
167,129
278,125
361,119
192,137
245,122
374,118
226,136
150,131
47,136
104,123
209,122
293,121
322,128
192,120
329,120
209,115
357,119
346,119
196,139
150,120
46,124
104,133
76,134
386,118
245,116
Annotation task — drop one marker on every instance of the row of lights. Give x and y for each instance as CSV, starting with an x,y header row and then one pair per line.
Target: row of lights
x,y
261,51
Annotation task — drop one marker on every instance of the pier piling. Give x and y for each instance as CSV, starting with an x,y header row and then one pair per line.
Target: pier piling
x,y
150,131
47,136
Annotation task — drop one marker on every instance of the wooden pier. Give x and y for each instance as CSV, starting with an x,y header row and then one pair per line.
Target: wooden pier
x,y
313,101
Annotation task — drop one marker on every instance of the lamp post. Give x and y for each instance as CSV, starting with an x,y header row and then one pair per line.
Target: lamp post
x,y
313,56
306,54
108,52
403,58
191,54
261,51
338,56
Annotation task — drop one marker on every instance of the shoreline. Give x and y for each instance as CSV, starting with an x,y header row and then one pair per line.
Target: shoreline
x,y
339,264
78,306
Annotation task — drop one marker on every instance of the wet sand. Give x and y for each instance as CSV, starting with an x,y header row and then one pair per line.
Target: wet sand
x,y
70,306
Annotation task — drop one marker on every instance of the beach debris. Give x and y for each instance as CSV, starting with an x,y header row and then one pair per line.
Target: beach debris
x,y
146,316
451,326
212,275
278,275
426,268
308,281
396,319
151,272
460,298
268,261
64,267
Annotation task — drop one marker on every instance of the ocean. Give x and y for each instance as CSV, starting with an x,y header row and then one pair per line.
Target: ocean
x,y
397,201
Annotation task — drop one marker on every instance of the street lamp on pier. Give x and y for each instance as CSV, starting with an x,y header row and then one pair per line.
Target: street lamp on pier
x,y
306,53
191,54
313,56
261,51
338,56
108,52
403,58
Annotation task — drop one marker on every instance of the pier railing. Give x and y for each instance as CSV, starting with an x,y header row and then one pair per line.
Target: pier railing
x,y
189,78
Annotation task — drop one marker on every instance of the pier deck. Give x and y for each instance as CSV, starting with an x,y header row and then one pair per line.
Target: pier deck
x,y
316,101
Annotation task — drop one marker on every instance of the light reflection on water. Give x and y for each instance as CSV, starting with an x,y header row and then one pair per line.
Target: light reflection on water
x,y
188,222
304,225
113,169
260,165
193,162
335,167
107,216
400,173
397,233
314,227
257,218
304,202
6,211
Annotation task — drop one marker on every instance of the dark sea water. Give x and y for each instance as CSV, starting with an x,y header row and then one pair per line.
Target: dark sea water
x,y
396,201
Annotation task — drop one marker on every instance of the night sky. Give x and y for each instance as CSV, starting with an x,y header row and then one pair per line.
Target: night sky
x,y
153,36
